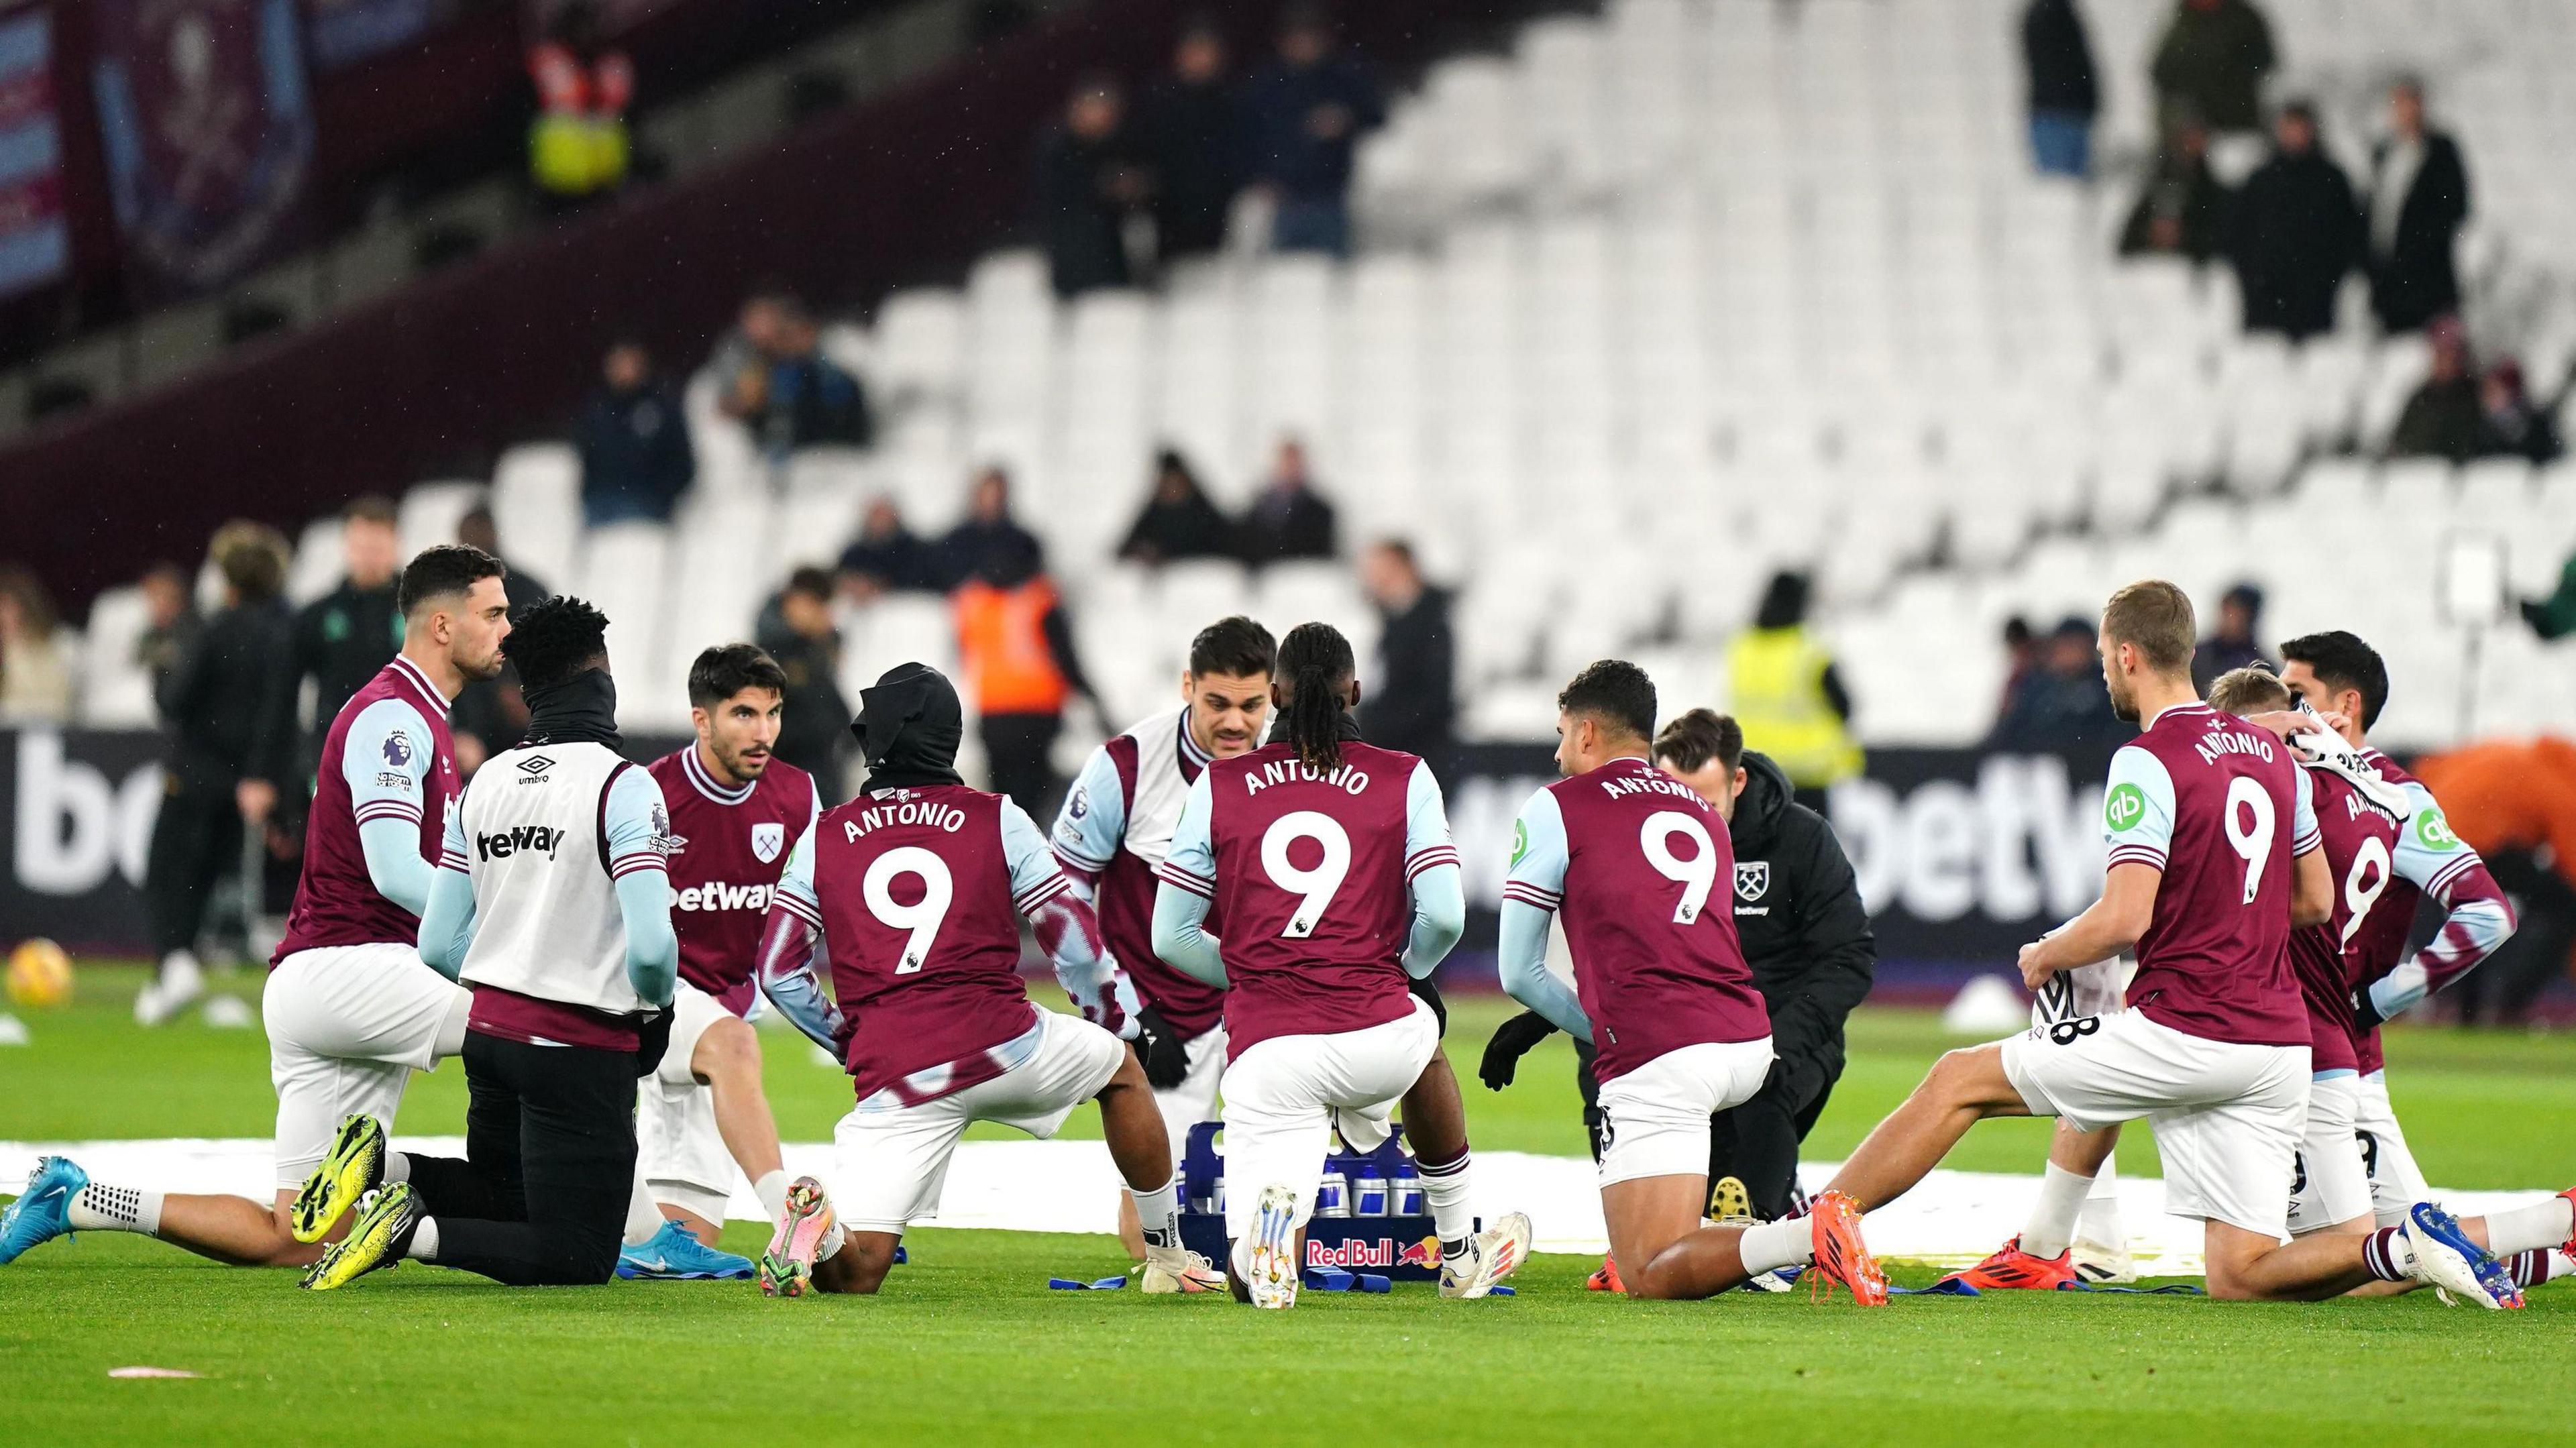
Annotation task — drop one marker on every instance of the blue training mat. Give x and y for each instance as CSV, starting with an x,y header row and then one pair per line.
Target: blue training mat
x,y
1076,1284
1946,1287
2170,1289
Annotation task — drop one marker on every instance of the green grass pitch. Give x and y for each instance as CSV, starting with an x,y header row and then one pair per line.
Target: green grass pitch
x,y
966,1346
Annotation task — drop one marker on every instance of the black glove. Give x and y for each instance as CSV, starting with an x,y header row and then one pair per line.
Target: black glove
x,y
2365,1012
652,1039
1512,1040
1429,994
1165,1055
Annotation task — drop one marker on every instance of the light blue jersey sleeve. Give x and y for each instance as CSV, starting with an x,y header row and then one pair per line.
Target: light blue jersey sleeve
x,y
1531,894
2477,918
447,917
385,759
791,969
1092,823
638,826
2138,810
1066,929
2305,834
1188,876
1432,877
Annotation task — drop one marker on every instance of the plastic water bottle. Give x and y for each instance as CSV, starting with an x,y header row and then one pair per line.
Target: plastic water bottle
x,y
1407,1190
1332,1195
1368,1188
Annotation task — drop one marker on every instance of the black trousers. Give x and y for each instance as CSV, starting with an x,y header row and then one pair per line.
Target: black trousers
x,y
540,1199
1755,1142
196,838
1018,750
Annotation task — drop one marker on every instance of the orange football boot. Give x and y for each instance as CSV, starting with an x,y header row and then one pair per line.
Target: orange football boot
x,y
2012,1268
1605,1280
1841,1255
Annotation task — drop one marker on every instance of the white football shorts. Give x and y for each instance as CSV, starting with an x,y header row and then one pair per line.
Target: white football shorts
x,y
2396,1183
890,1160
1654,1120
684,1159
347,1025
1286,1096
2227,1116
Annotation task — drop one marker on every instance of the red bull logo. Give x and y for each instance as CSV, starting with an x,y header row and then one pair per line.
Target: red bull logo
x,y
1357,1252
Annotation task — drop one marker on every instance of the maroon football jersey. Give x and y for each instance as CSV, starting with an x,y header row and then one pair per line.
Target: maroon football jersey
x,y
924,936
1311,875
1656,961
729,845
2215,960
336,902
2374,949
1125,900
2360,842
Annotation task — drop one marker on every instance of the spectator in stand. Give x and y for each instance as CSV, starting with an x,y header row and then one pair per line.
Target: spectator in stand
x,y
1194,130
1091,177
2513,425
1288,518
1178,520
1015,648
2296,232
2514,801
990,544
35,652
2062,93
2445,418
796,629
578,144
1307,113
36,658
2233,645
491,715
742,358
2062,703
634,443
2210,65
2419,196
1788,694
887,557
807,399
1412,701
338,641
215,704
2182,210
171,622
2021,664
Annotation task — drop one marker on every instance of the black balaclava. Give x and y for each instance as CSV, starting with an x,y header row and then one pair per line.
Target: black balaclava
x,y
581,709
909,727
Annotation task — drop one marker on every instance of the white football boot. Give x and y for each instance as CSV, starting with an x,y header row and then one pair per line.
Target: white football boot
x,y
1273,1270
1491,1256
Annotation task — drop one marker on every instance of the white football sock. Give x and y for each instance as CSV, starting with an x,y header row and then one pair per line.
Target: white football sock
x,y
2051,1228
2099,1221
1158,1216
1789,1242
2528,1229
772,1191
830,1246
1444,1190
643,1219
101,1208
397,1168
424,1241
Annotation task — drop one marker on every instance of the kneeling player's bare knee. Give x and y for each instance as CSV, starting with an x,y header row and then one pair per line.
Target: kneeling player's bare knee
x,y
728,1052
1970,1076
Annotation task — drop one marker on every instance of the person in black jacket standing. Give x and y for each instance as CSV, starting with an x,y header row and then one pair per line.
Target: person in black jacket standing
x,y
1805,933
2419,196
2063,96
214,699
2297,231
1413,701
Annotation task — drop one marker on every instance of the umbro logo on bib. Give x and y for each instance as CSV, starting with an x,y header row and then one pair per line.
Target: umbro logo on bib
x,y
532,770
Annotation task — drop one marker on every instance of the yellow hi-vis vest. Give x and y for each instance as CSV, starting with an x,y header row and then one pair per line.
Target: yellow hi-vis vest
x,y
1776,683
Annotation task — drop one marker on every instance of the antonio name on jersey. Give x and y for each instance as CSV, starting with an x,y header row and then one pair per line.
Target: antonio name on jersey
x,y
901,809
1343,777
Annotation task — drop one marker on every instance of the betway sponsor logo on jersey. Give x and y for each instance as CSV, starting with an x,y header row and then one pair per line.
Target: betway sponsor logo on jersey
x,y
1298,771
720,896
518,840
905,812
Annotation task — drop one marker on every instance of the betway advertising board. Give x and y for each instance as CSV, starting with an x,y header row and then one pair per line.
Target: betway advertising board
x,y
1962,856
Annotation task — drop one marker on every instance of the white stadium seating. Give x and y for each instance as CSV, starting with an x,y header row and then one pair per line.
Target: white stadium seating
x,y
1653,301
